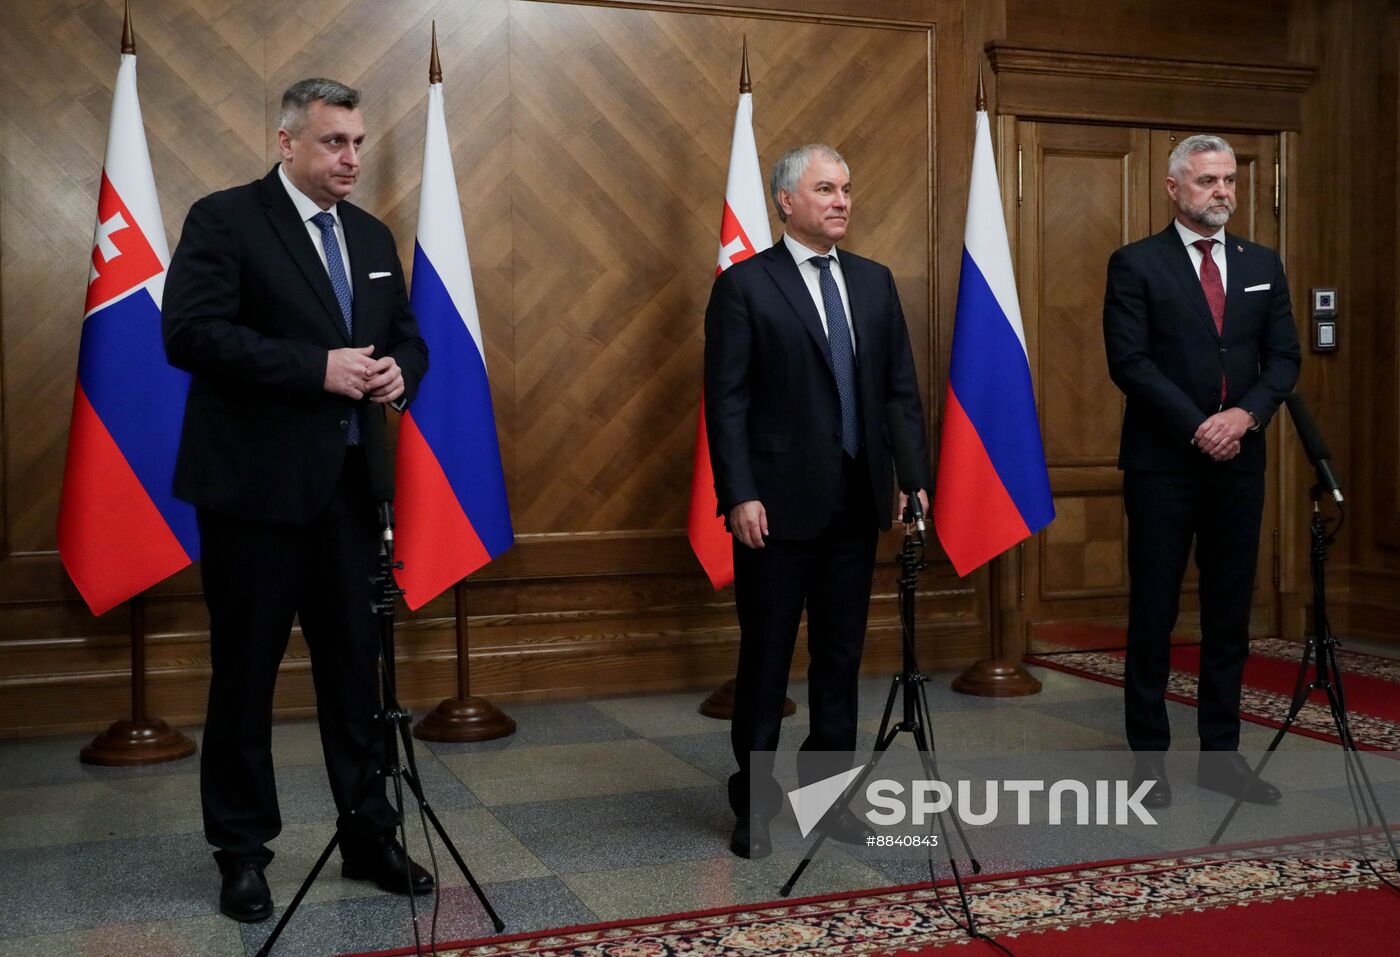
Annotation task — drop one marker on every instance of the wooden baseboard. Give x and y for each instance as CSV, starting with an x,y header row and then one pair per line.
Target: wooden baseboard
x,y
514,657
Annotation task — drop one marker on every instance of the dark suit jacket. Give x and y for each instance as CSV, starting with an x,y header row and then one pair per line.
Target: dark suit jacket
x,y
772,412
250,312
1164,352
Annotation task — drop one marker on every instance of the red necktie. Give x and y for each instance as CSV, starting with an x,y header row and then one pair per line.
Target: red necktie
x,y
1215,294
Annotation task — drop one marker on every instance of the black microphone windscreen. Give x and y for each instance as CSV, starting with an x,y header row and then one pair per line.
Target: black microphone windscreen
x,y
906,460
375,442
1308,432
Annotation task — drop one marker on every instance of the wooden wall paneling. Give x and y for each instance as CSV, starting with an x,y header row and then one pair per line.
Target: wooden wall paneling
x,y
608,397
590,143
1368,404
1253,31
1374,278
1319,247
1147,90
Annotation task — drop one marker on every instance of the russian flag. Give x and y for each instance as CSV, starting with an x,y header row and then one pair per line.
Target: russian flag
x,y
120,527
743,231
992,489
451,508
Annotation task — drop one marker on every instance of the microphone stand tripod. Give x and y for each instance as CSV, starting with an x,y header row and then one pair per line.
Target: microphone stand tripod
x,y
397,724
909,685
1321,650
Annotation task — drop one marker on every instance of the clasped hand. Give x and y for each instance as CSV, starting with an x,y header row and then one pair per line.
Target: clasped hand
x,y
355,374
1219,436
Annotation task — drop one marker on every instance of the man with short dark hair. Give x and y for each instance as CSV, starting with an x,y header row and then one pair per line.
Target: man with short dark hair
x,y
288,306
1200,338
805,346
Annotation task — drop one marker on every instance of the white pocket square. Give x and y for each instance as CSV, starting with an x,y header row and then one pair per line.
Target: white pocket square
x,y
381,275
1259,288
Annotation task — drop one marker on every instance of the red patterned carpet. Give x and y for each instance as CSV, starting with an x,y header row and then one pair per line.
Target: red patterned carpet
x,y
1372,683
1318,901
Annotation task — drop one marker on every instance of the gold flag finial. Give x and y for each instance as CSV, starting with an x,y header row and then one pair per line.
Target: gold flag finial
x,y
981,94
434,64
128,37
744,85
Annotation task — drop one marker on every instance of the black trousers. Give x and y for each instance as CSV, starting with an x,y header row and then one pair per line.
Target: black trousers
x,y
1221,511
257,577
831,577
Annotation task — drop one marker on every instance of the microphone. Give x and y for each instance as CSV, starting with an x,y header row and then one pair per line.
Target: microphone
x,y
1313,444
906,462
386,526
381,474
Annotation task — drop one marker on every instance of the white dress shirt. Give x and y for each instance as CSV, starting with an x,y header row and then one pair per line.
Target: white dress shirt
x,y
1217,251
306,208
811,275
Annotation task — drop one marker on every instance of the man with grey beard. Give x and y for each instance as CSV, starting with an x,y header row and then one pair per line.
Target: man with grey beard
x,y
1199,333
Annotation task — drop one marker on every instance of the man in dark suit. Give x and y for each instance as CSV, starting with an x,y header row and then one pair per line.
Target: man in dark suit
x,y
804,348
1200,338
287,305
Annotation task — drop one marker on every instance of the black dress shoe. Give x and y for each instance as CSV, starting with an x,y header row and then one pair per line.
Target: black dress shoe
x,y
1229,773
383,861
750,839
1149,766
244,895
845,827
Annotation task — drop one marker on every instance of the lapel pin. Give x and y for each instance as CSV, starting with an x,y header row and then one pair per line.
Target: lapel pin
x,y
1239,248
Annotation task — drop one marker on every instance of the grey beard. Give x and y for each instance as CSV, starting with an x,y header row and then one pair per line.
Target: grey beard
x,y
1214,218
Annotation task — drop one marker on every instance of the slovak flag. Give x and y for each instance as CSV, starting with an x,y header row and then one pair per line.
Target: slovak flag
x,y
743,231
450,503
120,527
992,489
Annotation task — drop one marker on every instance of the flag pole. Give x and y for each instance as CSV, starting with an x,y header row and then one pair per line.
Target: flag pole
x,y
465,717
1001,674
720,702
140,739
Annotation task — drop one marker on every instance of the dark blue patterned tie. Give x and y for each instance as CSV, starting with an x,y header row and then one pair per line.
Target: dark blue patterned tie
x,y
336,268
843,357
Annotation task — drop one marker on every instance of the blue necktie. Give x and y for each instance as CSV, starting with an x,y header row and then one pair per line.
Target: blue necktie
x,y
336,268
843,356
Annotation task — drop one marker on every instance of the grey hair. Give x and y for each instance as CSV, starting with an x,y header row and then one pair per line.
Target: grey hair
x,y
1200,143
301,94
792,164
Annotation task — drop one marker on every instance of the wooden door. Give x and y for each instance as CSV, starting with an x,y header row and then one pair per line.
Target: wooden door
x,y
1083,191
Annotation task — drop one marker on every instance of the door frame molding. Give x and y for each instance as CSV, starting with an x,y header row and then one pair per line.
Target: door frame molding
x,y
1044,84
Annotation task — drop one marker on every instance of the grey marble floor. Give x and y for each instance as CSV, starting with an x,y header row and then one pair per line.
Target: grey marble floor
x,y
600,809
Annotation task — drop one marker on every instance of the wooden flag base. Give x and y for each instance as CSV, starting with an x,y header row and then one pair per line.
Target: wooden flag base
x,y
462,720
130,743
720,703
996,678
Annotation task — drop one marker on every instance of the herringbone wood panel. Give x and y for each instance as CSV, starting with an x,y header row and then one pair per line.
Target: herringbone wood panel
x,y
591,144
619,167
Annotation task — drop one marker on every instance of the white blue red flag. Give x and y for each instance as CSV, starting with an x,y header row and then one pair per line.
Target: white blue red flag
x,y
451,507
120,527
992,489
743,231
